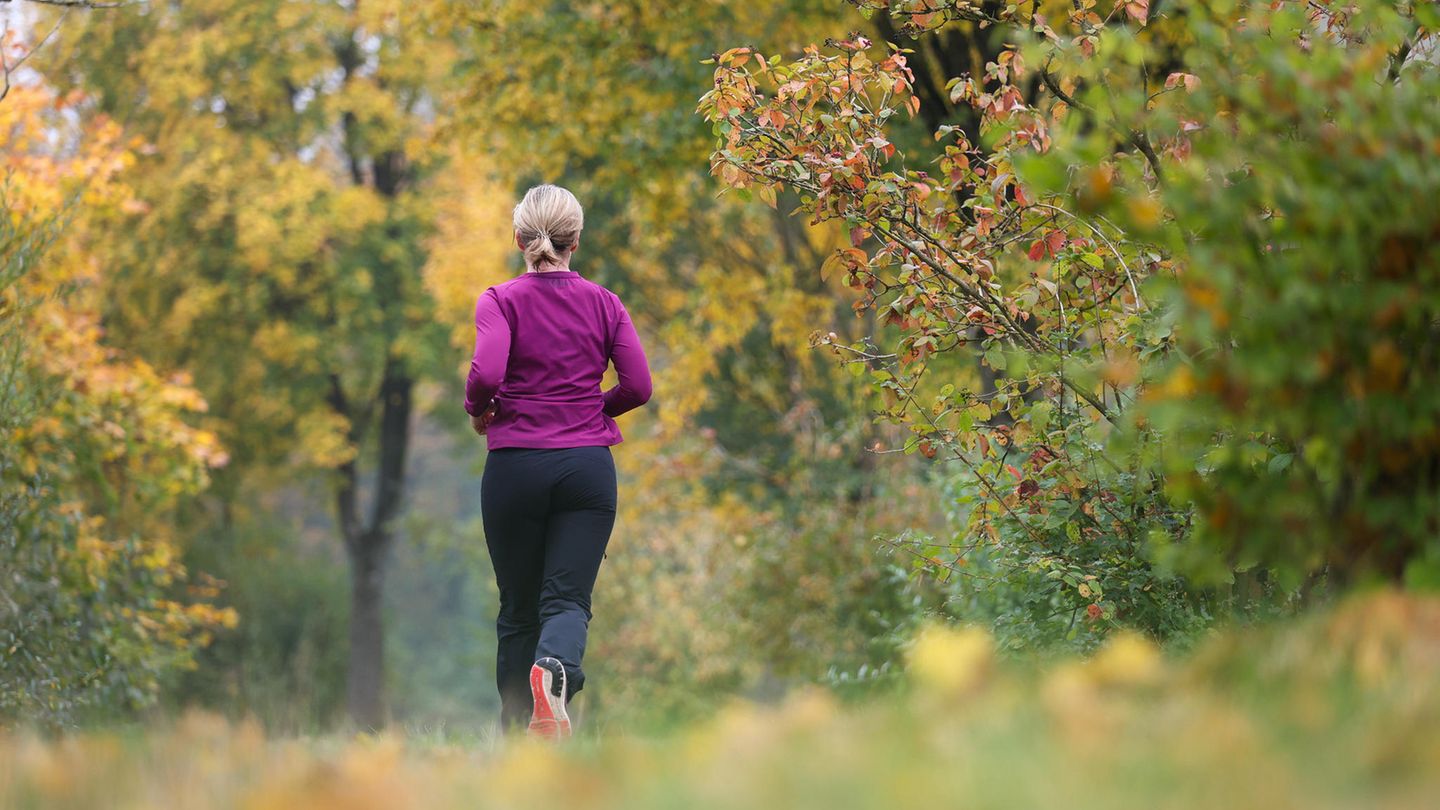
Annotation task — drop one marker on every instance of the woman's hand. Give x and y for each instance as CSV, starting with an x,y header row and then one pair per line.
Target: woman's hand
x,y
482,422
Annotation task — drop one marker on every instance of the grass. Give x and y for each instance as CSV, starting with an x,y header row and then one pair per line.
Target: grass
x,y
1339,710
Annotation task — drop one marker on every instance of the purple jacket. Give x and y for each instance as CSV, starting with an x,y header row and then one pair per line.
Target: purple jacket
x,y
542,343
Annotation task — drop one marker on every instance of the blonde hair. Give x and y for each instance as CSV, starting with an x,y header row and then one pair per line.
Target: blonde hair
x,y
549,221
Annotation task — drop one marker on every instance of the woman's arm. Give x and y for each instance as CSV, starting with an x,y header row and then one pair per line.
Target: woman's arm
x,y
633,388
492,354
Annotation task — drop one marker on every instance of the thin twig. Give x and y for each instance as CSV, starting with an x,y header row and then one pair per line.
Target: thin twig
x,y
9,68
1134,289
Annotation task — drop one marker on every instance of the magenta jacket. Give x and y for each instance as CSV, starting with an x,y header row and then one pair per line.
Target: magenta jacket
x,y
542,343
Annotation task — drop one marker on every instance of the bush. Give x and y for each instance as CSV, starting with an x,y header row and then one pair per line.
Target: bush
x,y
284,662
1302,408
96,448
89,618
1194,256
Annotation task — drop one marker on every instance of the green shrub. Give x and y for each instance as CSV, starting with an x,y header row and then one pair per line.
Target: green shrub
x,y
1193,257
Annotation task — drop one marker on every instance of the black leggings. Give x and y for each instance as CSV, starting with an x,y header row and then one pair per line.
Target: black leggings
x,y
548,515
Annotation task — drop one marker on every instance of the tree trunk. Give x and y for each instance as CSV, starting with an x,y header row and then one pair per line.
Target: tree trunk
x,y
365,686
367,547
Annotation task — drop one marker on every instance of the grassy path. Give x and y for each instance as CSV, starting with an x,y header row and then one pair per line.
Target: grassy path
x,y
1339,711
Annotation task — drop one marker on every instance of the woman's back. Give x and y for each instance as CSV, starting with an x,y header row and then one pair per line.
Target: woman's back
x,y
549,492
543,341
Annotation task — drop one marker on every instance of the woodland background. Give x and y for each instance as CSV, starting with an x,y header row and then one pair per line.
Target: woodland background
x,y
1072,362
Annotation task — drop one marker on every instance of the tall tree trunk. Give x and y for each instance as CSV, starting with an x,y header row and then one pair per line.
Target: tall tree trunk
x,y
367,546
365,681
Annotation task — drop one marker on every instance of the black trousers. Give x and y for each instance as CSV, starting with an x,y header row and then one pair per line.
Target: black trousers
x,y
548,514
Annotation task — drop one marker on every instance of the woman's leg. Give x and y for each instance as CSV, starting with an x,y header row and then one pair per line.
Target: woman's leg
x,y
576,534
514,501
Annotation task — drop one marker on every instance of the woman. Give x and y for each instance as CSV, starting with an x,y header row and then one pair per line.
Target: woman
x,y
547,498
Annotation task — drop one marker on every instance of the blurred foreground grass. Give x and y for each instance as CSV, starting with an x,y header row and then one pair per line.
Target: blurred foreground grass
x,y
1340,709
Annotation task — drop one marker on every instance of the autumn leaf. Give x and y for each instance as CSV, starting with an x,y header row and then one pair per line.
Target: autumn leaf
x,y
1189,80
1138,10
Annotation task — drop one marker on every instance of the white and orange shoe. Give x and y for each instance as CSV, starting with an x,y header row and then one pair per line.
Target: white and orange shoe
x,y
549,719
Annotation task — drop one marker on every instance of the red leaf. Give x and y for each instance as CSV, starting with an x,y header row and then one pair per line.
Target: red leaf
x,y
1190,80
1037,250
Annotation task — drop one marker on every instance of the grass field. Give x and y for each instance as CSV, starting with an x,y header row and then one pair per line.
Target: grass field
x,y
1341,710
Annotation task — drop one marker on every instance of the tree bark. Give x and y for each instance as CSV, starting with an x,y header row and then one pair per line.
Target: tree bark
x,y
367,546
365,683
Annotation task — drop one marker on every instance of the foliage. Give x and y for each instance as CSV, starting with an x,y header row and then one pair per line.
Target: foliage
x,y
725,598
1304,422
277,245
266,252
1337,712
965,260
284,664
1067,214
98,449
1034,602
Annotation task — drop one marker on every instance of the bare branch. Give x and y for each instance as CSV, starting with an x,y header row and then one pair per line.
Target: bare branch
x,y
11,68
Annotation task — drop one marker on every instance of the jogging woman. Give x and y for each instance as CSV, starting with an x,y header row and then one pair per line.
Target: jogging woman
x,y
543,340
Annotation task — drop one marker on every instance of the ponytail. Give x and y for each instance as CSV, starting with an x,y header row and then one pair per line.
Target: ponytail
x,y
548,220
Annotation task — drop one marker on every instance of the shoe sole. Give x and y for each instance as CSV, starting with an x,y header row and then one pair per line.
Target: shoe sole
x,y
549,718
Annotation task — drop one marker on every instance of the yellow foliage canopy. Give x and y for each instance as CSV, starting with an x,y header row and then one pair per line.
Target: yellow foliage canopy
x,y
113,434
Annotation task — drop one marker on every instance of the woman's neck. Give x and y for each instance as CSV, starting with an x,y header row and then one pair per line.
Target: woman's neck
x,y
548,269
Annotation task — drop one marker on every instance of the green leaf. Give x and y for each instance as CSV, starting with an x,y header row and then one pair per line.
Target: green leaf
x,y
1072,531
1040,414
966,422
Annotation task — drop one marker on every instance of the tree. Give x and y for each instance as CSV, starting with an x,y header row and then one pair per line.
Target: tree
x,y
277,247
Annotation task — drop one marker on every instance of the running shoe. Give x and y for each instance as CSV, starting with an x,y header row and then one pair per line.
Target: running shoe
x,y
547,684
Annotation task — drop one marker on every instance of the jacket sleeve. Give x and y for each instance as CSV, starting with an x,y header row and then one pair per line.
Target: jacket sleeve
x,y
492,354
633,370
